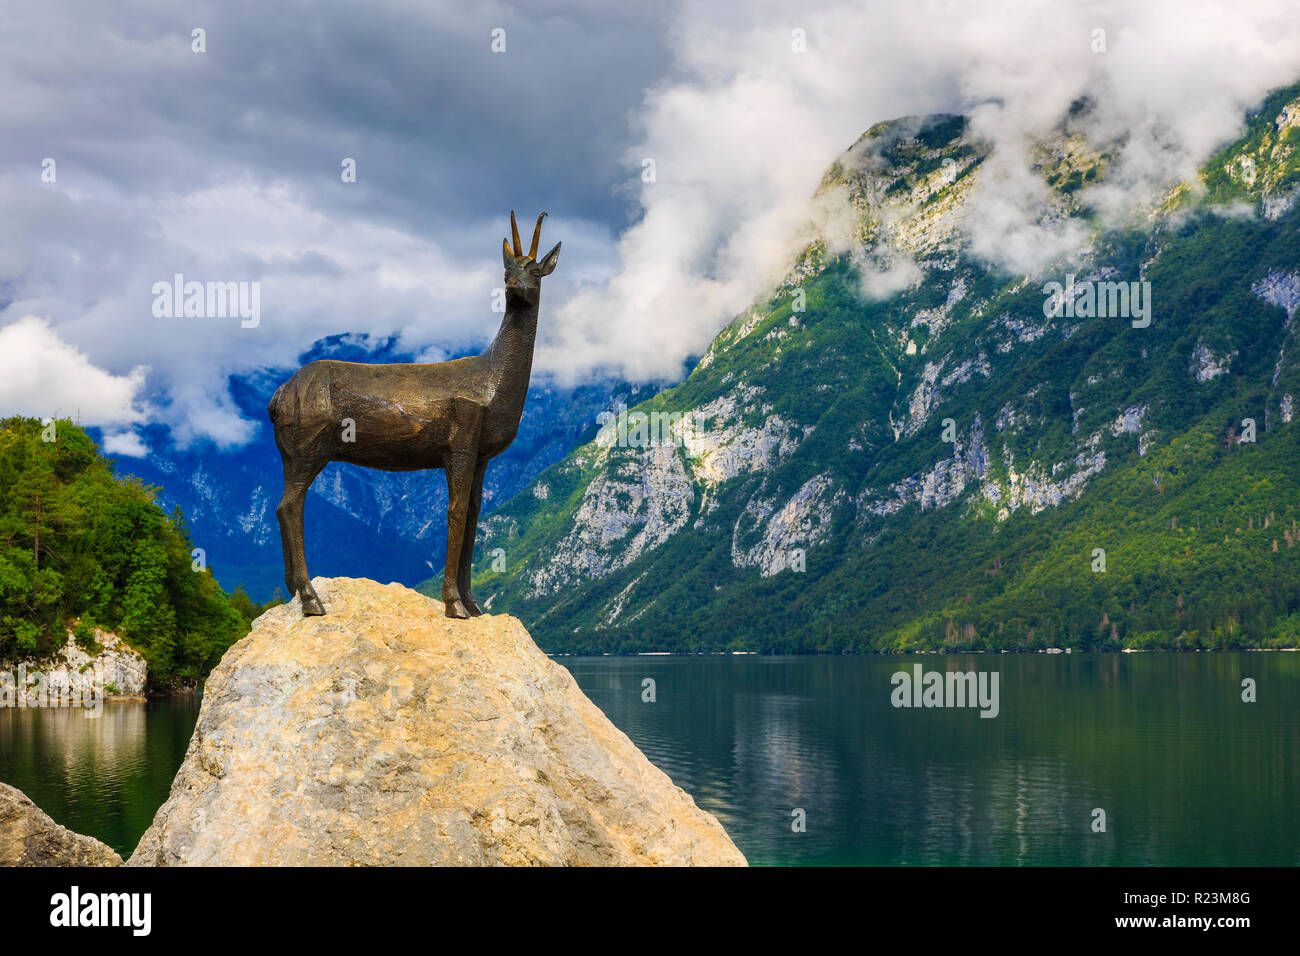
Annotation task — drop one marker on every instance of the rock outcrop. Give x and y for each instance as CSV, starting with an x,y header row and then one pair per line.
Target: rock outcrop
x,y
386,734
124,669
116,671
28,837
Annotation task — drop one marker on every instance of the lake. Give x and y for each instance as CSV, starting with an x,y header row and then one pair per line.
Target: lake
x,y
104,776
1184,770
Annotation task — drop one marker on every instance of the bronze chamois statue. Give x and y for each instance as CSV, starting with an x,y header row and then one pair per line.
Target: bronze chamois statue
x,y
452,415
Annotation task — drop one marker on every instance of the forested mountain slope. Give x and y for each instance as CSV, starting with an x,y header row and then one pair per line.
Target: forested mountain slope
x,y
904,448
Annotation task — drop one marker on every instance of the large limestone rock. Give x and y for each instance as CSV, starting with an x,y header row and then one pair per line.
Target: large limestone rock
x,y
384,733
28,837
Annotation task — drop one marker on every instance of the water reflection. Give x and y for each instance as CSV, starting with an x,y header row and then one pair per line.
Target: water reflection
x,y
105,775
1185,772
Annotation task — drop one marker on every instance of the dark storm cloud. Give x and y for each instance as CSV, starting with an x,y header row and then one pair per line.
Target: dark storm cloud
x,y
441,126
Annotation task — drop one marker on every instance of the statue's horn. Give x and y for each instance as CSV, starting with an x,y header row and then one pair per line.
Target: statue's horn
x,y
514,232
537,235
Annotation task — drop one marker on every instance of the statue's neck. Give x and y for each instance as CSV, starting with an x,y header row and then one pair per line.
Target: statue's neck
x,y
510,356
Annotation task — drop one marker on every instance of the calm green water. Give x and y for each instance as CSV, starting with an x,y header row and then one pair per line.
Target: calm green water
x,y
1186,772
103,776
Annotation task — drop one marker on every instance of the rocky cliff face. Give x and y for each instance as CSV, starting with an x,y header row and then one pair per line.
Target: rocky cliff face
x,y
28,837
385,734
122,670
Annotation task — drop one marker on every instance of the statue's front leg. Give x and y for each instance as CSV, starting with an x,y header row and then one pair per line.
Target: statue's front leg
x,y
467,542
460,478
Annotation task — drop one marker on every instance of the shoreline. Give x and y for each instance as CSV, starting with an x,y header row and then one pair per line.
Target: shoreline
x,y
1049,651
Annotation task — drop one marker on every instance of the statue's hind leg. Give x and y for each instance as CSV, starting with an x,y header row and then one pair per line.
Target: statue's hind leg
x,y
297,479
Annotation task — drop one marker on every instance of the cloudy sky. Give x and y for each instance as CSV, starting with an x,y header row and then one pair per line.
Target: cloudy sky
x,y
225,165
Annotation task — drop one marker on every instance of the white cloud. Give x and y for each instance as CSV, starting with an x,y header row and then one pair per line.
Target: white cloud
x,y
90,263
125,444
743,131
43,376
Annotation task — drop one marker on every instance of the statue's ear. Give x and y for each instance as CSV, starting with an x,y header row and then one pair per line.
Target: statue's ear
x,y
550,259
507,256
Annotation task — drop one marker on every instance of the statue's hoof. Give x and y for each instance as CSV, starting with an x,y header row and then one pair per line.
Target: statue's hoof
x,y
312,606
456,609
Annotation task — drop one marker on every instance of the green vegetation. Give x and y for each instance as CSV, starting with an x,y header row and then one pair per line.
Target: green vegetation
x,y
78,543
1265,158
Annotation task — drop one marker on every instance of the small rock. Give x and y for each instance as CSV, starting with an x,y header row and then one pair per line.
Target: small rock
x,y
28,837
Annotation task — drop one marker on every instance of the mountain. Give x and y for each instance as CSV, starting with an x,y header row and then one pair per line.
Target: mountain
x,y
902,447
389,526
